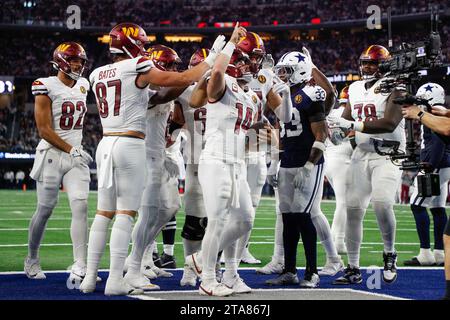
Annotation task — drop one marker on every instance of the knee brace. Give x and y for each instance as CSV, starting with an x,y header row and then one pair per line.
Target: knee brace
x,y
194,228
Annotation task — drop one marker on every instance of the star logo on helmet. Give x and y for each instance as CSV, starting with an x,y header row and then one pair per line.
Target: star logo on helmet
x,y
429,88
300,57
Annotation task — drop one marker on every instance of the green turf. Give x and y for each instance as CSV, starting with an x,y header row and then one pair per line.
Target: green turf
x,y
17,207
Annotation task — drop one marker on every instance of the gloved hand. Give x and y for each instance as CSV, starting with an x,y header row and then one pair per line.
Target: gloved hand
x,y
217,46
339,122
336,135
171,164
80,156
303,173
281,88
306,53
272,174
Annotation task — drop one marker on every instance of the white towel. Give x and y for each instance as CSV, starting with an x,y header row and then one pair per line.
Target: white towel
x,y
38,164
105,172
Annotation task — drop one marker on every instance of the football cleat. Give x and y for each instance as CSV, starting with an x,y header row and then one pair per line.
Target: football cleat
x,y
439,257
139,281
161,272
331,268
214,289
248,258
148,272
167,262
310,281
237,285
352,275
32,268
424,258
88,284
285,278
192,262
118,287
390,267
156,259
189,277
272,267
77,273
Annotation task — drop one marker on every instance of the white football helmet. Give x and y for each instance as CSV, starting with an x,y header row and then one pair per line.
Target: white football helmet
x,y
432,92
294,68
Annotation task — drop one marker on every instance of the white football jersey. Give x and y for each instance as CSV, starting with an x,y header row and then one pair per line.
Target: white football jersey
x,y
228,121
194,126
345,147
262,84
121,103
157,117
368,105
68,108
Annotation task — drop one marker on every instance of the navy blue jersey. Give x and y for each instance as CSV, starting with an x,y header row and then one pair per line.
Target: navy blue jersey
x,y
296,136
434,150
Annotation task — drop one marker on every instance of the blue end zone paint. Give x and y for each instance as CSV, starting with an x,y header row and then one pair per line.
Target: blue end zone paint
x,y
411,284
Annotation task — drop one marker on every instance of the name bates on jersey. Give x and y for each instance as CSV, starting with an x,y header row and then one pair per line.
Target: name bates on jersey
x,y
227,123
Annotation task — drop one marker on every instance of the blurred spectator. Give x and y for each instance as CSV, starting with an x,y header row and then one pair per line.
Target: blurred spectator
x,y
20,177
8,177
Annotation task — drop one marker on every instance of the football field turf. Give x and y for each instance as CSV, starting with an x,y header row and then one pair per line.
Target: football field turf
x,y
17,207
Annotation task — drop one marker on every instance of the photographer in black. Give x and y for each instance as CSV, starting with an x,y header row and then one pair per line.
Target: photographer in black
x,y
436,122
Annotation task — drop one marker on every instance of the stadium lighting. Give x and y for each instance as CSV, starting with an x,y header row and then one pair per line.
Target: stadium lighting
x,y
315,21
105,38
184,38
202,25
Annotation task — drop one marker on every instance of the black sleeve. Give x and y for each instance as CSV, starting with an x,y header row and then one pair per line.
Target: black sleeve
x,y
316,111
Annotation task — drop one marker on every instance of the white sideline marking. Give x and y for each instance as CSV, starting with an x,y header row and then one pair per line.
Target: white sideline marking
x,y
180,243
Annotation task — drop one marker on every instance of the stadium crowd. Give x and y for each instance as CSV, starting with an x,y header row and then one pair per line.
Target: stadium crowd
x,y
151,13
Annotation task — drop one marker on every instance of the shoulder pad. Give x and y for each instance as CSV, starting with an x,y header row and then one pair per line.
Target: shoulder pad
x,y
143,64
39,87
315,93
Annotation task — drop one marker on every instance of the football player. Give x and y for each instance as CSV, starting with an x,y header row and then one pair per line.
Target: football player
x,y
231,111
372,114
337,161
60,106
121,91
437,154
272,97
300,178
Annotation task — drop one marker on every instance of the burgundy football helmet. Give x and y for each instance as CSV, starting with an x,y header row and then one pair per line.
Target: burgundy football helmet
x,y
62,56
375,54
239,66
163,57
128,38
253,46
198,57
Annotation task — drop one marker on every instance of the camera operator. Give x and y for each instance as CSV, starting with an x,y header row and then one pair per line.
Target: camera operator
x,y
436,151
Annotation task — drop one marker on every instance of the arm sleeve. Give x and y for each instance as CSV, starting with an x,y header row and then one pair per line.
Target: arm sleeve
x,y
144,64
316,112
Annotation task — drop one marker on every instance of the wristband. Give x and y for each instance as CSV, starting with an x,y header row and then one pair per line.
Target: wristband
x,y
358,126
229,49
319,145
420,115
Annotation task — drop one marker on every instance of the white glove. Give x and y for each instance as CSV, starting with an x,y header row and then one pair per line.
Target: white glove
x,y
336,135
80,156
272,174
268,61
303,173
281,88
306,53
171,165
339,122
217,46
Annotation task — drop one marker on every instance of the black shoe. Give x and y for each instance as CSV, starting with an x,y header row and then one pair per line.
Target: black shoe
x,y
168,262
414,262
390,267
156,259
351,276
